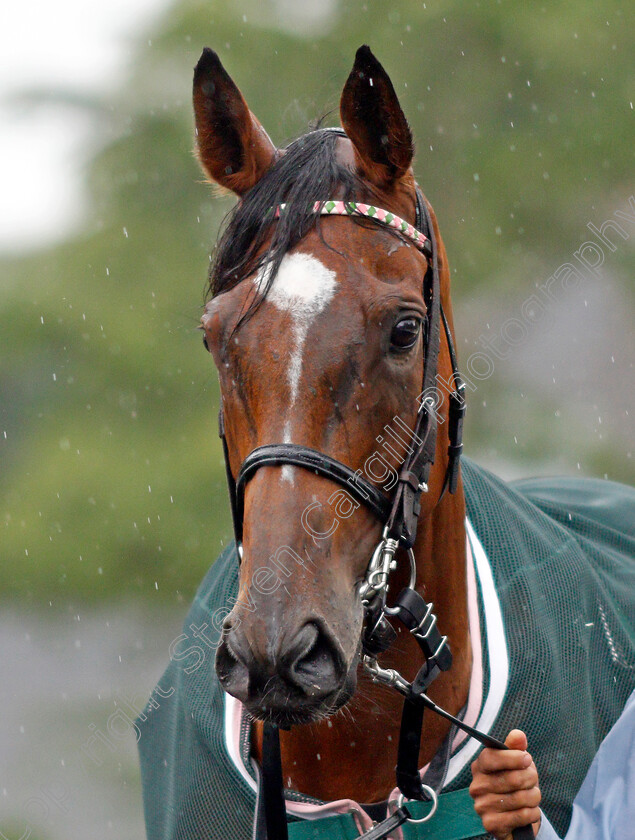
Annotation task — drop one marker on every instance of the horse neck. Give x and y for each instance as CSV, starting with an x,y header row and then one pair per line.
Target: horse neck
x,y
353,754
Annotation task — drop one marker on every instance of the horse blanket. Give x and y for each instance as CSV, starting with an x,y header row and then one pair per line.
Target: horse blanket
x,y
551,576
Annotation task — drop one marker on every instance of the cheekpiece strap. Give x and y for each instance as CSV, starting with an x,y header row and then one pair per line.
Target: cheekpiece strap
x,y
402,524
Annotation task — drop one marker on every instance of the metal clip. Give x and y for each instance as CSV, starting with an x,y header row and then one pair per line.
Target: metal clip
x,y
387,676
379,568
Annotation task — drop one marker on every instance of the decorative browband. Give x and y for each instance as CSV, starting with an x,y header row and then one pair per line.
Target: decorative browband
x,y
356,208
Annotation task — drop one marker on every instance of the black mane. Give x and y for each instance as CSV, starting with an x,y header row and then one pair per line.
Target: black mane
x,y
307,172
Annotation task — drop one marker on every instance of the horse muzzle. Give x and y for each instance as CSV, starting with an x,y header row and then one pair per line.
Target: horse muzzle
x,y
301,677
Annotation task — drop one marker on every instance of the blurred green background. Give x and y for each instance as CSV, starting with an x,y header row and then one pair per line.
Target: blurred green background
x,y
111,478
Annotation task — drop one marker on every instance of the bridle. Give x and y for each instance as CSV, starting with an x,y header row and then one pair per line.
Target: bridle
x,y
399,517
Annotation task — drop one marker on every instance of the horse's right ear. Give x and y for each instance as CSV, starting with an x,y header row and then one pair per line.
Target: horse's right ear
x,y
233,148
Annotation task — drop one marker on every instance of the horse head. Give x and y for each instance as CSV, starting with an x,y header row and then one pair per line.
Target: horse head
x,y
316,325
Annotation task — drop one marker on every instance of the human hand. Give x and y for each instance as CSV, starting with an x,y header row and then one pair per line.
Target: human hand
x,y
505,788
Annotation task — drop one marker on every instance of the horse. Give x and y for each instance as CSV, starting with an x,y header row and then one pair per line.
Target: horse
x,y
330,323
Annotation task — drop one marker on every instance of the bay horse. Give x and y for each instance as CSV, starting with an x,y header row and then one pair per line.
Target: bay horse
x,y
329,316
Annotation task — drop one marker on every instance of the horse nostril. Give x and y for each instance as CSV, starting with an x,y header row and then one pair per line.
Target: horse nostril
x,y
317,668
232,671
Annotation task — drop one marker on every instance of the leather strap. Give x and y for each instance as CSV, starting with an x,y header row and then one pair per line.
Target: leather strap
x,y
275,454
272,792
407,769
231,484
456,413
455,819
402,524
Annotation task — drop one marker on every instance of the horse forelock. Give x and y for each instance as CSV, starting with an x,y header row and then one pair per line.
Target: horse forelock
x,y
316,167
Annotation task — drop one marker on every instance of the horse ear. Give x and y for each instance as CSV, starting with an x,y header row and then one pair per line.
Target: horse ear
x,y
233,148
374,122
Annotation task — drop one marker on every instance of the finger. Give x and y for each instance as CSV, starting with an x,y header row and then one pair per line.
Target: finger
x,y
516,740
493,761
501,825
506,802
504,782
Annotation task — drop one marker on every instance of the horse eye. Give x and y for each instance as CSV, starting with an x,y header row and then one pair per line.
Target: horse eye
x,y
205,344
405,334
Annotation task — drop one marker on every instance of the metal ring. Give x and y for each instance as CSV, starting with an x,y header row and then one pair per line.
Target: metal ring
x,y
435,803
413,568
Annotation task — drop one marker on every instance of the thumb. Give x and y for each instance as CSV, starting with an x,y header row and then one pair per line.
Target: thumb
x,y
516,740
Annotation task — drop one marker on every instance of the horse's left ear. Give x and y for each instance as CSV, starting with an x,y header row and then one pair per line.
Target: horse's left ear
x,y
373,119
233,148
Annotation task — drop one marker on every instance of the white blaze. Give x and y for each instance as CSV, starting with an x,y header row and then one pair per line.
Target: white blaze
x,y
303,287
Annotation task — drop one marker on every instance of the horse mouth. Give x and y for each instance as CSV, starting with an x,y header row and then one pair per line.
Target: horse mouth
x,y
286,708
